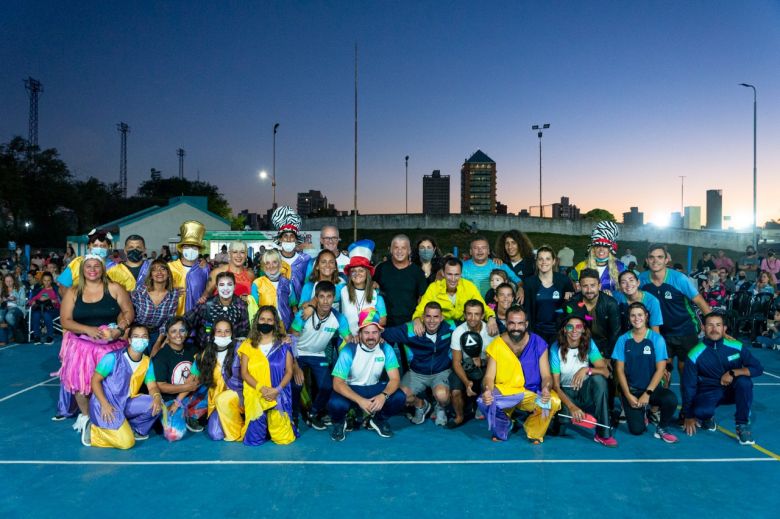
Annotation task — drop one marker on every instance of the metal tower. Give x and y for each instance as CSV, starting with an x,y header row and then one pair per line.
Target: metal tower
x,y
34,87
180,153
123,130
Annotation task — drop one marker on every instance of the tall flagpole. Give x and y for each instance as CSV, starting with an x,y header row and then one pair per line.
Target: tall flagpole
x,y
355,210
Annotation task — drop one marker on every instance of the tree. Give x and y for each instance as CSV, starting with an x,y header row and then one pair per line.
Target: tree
x,y
599,214
160,190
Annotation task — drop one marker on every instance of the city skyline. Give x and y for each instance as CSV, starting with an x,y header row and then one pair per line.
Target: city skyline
x,y
637,96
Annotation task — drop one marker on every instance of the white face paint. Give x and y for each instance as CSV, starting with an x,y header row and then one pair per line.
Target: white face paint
x,y
225,288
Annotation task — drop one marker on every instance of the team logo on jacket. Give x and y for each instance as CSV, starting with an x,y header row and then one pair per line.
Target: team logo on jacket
x,y
556,295
647,350
667,295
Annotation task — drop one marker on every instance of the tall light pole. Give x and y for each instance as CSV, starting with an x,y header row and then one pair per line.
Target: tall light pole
x,y
682,193
755,219
273,179
406,196
539,134
354,208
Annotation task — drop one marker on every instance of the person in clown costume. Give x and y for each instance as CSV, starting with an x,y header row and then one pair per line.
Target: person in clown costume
x,y
189,278
359,292
273,289
119,414
219,369
288,224
602,256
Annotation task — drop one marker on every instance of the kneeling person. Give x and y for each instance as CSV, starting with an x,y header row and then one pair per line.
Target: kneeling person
x,y
118,413
356,380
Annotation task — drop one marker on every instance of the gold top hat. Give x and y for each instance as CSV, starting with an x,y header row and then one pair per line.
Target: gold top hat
x,y
191,233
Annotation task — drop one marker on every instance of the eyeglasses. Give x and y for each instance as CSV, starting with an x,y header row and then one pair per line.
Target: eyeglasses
x,y
573,327
178,330
331,238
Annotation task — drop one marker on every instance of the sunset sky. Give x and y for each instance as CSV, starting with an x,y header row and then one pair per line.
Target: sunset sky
x,y
637,94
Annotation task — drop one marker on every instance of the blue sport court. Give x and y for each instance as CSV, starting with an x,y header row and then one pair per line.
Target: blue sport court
x,y
424,471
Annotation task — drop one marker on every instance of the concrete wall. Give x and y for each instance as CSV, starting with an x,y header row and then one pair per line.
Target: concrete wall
x,y
695,238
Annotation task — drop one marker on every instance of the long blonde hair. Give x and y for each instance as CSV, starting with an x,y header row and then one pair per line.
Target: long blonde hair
x,y
611,266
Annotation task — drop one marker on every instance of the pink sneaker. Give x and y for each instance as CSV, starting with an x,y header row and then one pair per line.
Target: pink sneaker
x,y
606,442
664,435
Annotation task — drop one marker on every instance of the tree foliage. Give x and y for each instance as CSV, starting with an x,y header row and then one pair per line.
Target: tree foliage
x,y
599,215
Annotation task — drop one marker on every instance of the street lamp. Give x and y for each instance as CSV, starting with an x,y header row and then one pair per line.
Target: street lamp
x,y
407,184
263,175
539,134
273,180
755,219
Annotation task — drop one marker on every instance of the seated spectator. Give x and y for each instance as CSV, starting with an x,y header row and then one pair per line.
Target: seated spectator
x,y
705,264
771,265
718,371
580,376
724,262
714,292
357,380
640,364
518,377
749,264
118,413
12,304
726,281
44,304
742,282
764,285
771,337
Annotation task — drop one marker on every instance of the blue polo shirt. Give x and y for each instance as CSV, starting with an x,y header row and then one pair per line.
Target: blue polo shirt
x,y
650,302
675,296
640,357
480,274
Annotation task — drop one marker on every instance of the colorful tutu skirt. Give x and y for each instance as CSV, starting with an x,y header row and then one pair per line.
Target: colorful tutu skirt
x,y
79,356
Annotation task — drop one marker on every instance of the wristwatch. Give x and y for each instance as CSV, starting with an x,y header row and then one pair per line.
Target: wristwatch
x,y
387,397
648,392
731,372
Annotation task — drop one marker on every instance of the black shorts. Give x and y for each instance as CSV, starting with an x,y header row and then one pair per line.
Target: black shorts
x,y
474,374
679,345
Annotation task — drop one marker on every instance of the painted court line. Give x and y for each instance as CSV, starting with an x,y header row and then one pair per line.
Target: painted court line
x,y
27,389
771,374
383,462
10,346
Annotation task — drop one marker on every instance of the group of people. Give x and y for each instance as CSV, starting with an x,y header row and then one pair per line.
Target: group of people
x,y
336,342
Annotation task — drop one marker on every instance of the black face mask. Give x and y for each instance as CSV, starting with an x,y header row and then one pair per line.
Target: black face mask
x,y
265,328
135,255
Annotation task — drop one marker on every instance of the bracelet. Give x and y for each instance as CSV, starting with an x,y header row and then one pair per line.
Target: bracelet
x,y
387,397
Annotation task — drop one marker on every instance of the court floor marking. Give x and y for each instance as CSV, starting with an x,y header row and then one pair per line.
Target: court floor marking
x,y
27,389
771,374
384,462
10,346
755,445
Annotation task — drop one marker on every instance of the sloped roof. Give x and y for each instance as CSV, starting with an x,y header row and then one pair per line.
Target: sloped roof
x,y
479,157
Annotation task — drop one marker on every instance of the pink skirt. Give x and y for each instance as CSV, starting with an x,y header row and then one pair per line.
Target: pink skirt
x,y
80,355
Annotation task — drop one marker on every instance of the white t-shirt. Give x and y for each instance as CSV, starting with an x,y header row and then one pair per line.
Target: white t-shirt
x,y
361,366
463,328
315,334
289,261
221,356
266,348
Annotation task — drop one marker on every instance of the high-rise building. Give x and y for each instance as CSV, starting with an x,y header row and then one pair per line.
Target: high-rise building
x,y
714,209
692,217
564,210
311,202
633,217
436,194
478,185
676,220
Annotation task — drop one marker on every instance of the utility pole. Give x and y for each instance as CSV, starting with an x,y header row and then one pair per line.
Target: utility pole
x,y
354,208
273,178
34,87
682,194
123,129
406,197
180,153
539,134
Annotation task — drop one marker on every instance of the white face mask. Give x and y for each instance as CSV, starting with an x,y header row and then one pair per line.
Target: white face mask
x,y
190,254
139,344
288,246
223,341
226,291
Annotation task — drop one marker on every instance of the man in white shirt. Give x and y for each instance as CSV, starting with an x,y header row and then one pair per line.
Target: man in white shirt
x,y
356,380
628,258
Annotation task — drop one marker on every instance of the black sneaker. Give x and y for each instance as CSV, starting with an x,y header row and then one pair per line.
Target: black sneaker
x,y
58,418
193,425
381,427
709,424
140,437
744,435
339,432
315,423
35,339
49,340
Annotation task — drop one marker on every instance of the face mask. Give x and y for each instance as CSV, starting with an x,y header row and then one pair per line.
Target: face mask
x,y
139,344
426,255
226,291
265,328
135,255
288,246
273,277
190,254
223,341
101,252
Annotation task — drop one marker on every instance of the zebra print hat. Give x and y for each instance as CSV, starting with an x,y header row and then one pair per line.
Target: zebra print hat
x,y
285,219
605,235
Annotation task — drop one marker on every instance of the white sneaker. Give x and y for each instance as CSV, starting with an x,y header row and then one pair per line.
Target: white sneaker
x,y
86,434
441,416
80,423
420,413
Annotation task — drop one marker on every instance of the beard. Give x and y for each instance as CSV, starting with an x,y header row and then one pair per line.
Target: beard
x,y
517,336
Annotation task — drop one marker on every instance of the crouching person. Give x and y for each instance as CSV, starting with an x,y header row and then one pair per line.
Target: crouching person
x,y
118,414
518,377
356,380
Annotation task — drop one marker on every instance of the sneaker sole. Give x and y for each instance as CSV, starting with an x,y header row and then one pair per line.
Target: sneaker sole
x,y
604,444
751,442
86,431
656,435
378,431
